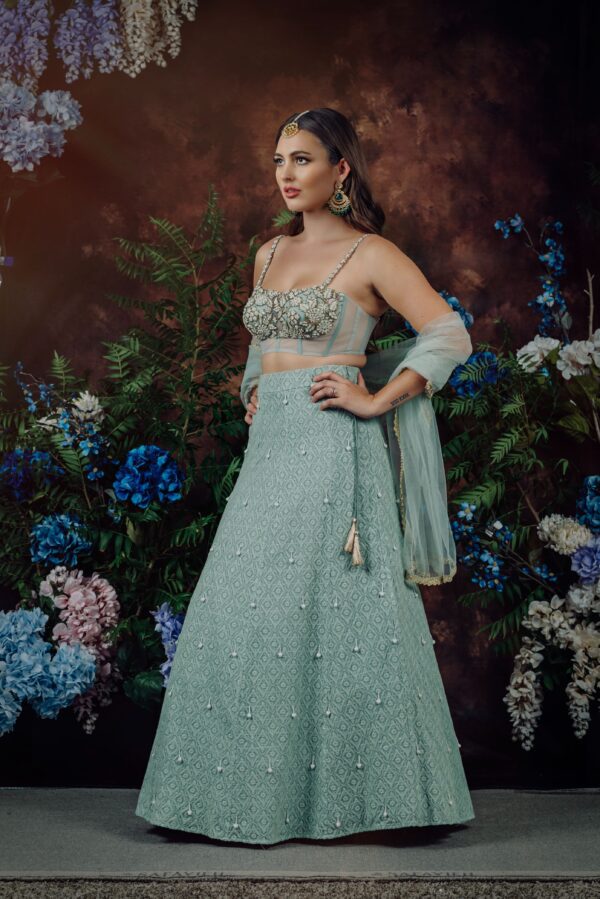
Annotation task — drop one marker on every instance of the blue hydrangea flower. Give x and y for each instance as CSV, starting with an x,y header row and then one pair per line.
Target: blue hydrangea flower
x,y
17,628
10,709
489,372
71,672
148,473
29,670
59,540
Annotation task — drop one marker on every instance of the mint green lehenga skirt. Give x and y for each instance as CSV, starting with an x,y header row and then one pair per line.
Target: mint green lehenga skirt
x,y
305,699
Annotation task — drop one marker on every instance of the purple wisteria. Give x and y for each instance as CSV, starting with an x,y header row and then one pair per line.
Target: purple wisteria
x,y
87,36
24,29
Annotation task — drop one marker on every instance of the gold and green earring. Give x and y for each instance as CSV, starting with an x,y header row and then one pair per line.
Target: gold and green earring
x,y
339,202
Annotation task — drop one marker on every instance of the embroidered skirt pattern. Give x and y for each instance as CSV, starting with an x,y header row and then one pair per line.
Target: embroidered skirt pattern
x,y
305,698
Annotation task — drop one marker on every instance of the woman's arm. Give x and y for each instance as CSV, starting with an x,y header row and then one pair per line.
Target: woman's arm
x,y
251,375
249,384
403,387
405,288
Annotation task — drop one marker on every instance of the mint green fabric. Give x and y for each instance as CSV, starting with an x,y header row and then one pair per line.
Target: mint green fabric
x,y
413,442
415,451
305,698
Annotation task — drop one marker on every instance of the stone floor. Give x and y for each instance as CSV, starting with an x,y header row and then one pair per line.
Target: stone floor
x,y
88,842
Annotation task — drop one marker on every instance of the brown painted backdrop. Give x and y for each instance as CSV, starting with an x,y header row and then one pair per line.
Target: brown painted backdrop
x,y
468,111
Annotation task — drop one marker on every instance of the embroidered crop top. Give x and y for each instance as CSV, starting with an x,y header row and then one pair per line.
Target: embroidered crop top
x,y
308,321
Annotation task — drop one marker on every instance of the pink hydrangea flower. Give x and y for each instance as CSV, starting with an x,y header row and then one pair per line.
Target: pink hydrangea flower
x,y
89,609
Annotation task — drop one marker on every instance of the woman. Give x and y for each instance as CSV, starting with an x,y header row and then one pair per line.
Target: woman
x,y
304,698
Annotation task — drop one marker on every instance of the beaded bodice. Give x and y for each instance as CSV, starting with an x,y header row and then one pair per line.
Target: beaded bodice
x,y
313,321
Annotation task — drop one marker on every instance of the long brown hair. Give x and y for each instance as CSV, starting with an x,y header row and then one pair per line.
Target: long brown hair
x,y
339,138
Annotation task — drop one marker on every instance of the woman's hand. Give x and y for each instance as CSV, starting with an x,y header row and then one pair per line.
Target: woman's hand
x,y
252,406
348,395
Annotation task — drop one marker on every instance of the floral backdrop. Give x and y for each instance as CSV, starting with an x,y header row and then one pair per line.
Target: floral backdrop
x,y
113,477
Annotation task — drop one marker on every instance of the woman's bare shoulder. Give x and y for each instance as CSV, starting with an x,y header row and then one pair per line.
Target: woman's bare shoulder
x,y
380,247
383,255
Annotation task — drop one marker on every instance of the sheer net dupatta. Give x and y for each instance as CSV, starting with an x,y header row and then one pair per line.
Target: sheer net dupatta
x,y
252,371
414,444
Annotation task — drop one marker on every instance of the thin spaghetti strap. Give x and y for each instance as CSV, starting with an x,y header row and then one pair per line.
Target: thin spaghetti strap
x,y
268,260
342,262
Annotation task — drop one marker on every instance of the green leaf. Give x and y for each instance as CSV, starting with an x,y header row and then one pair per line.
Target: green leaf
x,y
145,688
575,425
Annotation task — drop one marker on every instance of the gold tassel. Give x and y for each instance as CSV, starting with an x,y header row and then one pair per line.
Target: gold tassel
x,y
350,537
352,544
357,558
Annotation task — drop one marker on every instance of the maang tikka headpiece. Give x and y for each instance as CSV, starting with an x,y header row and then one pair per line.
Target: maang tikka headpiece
x,y
338,203
292,127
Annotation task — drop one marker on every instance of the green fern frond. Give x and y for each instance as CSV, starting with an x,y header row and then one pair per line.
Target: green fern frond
x,y
62,371
514,406
459,471
487,494
503,445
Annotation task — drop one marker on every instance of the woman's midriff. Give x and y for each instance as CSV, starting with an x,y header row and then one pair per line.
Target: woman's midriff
x,y
287,361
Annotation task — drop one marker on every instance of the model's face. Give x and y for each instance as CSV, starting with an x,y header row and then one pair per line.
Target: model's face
x,y
301,162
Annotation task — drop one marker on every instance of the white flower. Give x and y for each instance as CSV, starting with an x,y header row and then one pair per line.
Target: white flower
x,y
586,639
86,407
579,691
532,652
531,356
524,697
552,621
595,339
583,598
149,31
575,358
563,534
565,624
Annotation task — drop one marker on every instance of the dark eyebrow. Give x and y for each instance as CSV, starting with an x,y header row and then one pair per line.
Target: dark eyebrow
x,y
296,153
